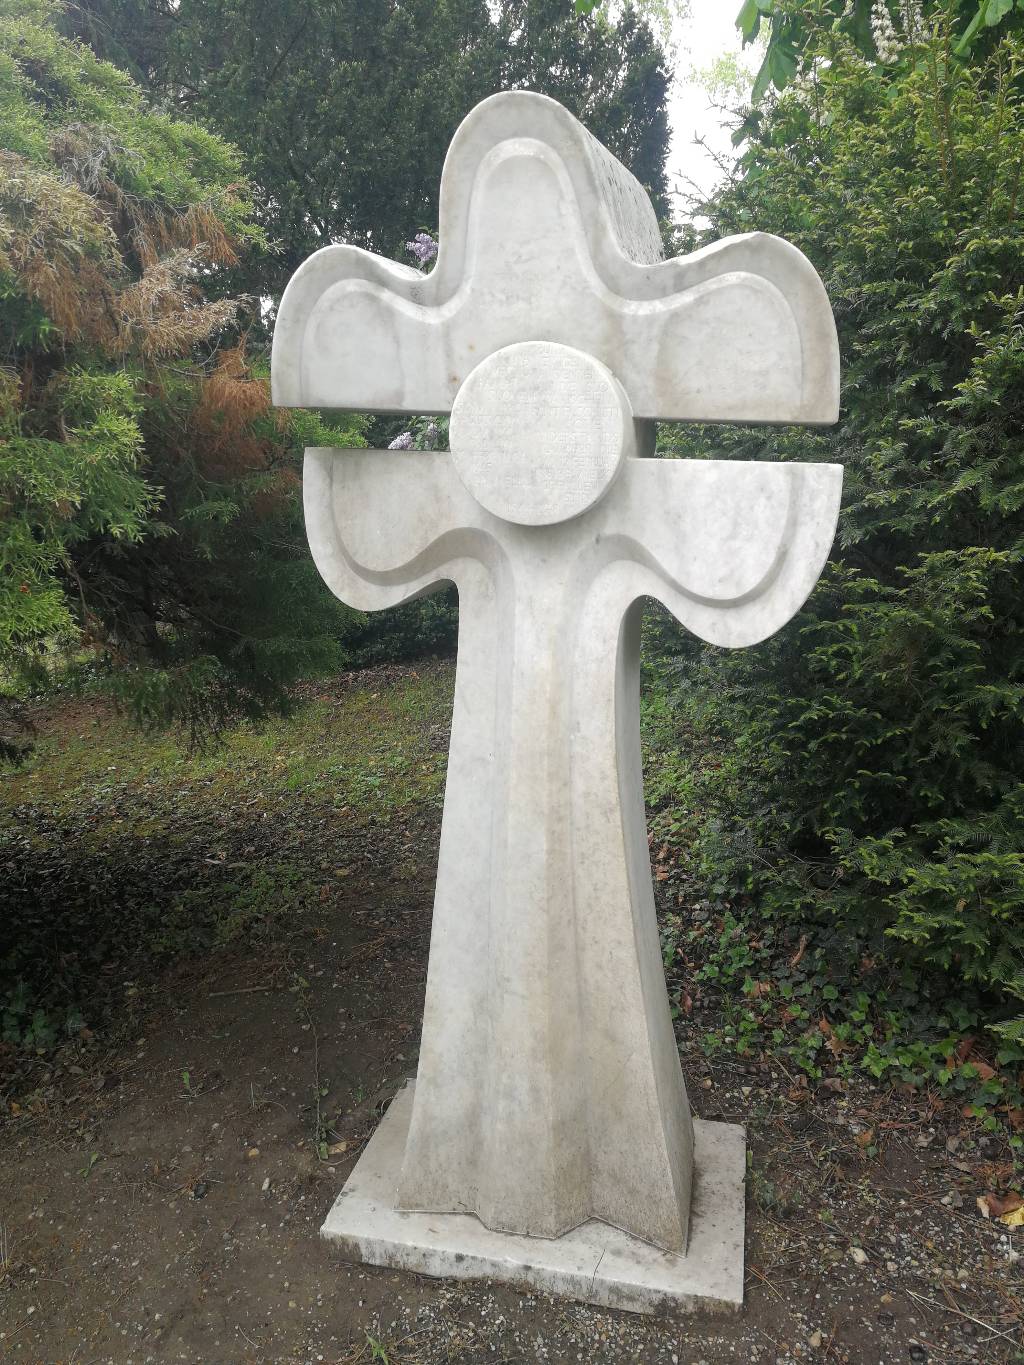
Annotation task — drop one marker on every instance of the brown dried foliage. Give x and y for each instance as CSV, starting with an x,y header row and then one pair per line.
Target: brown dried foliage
x,y
163,313
235,437
155,231
64,239
57,247
150,230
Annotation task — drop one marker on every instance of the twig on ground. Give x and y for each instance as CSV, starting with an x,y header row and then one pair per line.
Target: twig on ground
x,y
764,1279
831,1341
318,1133
948,1308
244,990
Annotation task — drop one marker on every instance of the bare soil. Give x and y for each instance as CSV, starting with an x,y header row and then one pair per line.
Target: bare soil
x,y
161,1189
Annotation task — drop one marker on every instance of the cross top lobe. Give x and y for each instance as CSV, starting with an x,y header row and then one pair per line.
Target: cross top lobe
x,y
544,236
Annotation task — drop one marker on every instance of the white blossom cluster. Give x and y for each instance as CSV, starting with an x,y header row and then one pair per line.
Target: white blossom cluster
x,y
883,31
913,20
887,39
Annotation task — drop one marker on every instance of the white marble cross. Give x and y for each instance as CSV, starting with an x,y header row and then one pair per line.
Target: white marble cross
x,y
549,1089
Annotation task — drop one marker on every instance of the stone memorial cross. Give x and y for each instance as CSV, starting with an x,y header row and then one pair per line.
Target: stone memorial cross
x,y
549,1092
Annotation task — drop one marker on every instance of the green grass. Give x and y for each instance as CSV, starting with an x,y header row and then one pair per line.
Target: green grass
x,y
124,852
374,751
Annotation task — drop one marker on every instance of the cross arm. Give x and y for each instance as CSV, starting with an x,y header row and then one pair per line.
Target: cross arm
x,y
386,526
732,549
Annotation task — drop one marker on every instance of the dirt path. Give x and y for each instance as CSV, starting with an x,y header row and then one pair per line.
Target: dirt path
x,y
160,1201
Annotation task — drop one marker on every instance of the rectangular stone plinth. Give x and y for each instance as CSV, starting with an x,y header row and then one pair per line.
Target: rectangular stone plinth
x,y
594,1263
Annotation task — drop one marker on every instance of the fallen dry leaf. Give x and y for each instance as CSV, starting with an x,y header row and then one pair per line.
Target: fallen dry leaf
x,y
963,1049
1013,1219
997,1206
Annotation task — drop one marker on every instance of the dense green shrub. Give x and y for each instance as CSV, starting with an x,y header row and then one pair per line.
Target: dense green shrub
x,y
867,762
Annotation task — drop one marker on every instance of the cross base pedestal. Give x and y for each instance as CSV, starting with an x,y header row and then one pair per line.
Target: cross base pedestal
x,y
594,1263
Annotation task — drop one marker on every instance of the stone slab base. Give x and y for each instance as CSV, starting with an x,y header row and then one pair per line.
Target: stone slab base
x,y
594,1263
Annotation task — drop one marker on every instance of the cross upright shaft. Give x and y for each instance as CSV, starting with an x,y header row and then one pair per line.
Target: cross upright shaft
x,y
547,1043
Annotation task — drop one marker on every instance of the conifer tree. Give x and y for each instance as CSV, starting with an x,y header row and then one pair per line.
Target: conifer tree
x,y
150,530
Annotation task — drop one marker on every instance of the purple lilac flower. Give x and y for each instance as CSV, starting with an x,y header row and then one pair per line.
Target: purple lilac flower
x,y
402,442
423,247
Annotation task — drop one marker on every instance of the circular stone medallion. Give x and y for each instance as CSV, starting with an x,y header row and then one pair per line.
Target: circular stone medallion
x,y
539,431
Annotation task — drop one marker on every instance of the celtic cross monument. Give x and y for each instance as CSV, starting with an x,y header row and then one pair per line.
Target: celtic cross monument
x,y
547,1140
